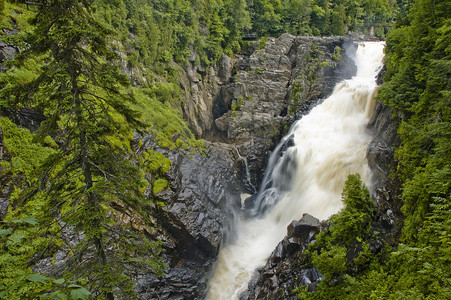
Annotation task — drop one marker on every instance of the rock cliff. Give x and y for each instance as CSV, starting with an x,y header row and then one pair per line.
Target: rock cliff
x,y
199,211
251,101
381,160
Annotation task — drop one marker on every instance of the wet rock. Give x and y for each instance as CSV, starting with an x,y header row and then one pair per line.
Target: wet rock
x,y
199,210
4,204
380,155
302,228
283,272
310,277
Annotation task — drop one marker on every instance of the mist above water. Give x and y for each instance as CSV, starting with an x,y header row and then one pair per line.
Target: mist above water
x,y
324,147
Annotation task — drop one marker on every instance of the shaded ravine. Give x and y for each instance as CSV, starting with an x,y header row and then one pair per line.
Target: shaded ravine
x,y
318,154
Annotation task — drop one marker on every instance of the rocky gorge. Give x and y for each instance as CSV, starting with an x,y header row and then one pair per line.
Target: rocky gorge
x,y
242,107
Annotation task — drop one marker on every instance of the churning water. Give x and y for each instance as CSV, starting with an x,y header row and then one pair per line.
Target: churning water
x,y
308,176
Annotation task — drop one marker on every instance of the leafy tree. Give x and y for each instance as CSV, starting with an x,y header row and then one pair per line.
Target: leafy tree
x,y
296,16
320,16
337,26
217,37
80,89
237,21
267,17
354,221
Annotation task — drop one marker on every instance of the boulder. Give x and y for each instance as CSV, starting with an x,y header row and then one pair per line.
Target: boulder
x,y
302,228
283,271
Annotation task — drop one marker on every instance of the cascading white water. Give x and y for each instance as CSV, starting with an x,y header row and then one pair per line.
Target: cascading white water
x,y
329,144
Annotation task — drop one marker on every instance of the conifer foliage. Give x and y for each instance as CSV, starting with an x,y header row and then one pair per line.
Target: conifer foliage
x,y
81,91
417,87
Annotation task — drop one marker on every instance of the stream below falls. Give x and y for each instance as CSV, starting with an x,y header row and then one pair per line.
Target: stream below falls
x,y
307,176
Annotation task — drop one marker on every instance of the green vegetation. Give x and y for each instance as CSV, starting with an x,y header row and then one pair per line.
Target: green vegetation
x,y
354,220
417,86
322,17
86,157
78,86
10,19
28,284
26,155
238,103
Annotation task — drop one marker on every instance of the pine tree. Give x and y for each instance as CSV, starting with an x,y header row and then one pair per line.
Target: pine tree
x,y
81,91
338,20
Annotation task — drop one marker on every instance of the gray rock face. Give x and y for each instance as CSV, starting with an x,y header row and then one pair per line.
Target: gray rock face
x,y
282,272
208,190
251,101
202,96
7,52
199,210
380,155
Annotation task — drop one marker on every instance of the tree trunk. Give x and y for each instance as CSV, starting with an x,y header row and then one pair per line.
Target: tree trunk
x,y
90,196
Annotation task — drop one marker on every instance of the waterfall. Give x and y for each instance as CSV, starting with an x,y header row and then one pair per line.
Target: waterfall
x,y
308,176
247,175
